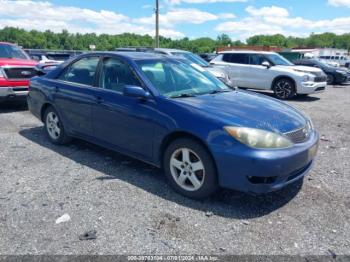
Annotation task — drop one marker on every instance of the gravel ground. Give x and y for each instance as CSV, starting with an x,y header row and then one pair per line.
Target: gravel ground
x,y
134,211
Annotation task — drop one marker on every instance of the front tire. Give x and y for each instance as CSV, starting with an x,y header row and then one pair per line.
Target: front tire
x,y
54,127
284,89
190,169
330,79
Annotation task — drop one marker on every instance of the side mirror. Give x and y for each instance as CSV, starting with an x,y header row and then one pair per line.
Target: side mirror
x,y
136,91
266,64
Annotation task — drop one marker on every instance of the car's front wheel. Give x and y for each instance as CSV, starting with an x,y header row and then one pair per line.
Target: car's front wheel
x,y
190,169
284,89
54,127
330,79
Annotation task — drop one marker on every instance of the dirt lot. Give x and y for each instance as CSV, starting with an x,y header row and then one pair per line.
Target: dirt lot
x,y
134,211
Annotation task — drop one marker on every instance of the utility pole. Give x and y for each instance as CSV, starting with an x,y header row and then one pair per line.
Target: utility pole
x,y
157,24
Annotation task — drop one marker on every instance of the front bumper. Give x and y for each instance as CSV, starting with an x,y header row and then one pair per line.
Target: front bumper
x,y
311,87
261,171
13,93
341,78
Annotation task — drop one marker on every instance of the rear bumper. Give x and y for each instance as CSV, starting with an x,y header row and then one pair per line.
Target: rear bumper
x,y
13,93
311,87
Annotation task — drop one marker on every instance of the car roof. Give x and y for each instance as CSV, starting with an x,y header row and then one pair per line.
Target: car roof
x,y
247,52
131,55
7,43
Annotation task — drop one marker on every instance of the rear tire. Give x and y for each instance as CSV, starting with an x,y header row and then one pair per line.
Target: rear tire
x,y
284,89
54,127
190,169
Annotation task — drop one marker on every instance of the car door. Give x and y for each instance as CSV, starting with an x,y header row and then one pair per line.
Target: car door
x,y
73,94
124,122
260,76
236,66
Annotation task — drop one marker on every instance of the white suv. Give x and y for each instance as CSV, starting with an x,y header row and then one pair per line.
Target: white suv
x,y
268,70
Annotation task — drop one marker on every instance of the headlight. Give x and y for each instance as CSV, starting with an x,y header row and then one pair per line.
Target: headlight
x,y
258,138
306,78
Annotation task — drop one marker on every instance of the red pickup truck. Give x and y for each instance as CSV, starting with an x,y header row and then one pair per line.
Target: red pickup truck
x,y
16,68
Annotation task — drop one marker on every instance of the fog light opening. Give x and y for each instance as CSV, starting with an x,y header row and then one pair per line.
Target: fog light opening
x,y
262,180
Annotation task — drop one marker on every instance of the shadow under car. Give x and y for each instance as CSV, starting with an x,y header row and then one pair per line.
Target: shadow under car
x,y
225,203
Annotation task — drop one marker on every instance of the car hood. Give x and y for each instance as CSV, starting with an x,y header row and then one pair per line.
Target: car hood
x,y
243,108
17,62
304,69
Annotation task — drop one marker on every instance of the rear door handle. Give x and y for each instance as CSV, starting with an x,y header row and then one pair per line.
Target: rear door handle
x,y
99,100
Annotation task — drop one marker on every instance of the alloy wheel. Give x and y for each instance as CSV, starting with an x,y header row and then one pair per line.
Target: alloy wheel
x,y
187,169
53,125
284,89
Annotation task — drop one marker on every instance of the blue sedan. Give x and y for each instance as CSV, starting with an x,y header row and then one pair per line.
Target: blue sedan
x,y
178,117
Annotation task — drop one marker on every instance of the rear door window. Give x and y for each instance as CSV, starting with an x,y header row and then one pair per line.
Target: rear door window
x,y
81,72
236,58
240,58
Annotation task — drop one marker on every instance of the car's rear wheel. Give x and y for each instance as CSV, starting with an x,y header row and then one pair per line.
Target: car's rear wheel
x,y
190,169
284,89
54,127
330,79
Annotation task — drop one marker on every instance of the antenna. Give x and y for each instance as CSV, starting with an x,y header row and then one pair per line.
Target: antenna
x,y
157,24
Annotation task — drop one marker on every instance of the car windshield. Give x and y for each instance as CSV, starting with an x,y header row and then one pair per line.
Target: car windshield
x,y
178,79
12,51
193,58
278,60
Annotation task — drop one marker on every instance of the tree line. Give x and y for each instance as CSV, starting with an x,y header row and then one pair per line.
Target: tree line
x,y
66,41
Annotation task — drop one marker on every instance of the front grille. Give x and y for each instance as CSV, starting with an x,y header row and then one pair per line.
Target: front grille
x,y
321,79
20,89
19,72
299,135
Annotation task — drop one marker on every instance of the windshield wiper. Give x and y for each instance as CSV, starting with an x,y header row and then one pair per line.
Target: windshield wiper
x,y
219,91
182,95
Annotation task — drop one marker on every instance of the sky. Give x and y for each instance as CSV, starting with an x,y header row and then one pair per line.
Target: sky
x,y
239,19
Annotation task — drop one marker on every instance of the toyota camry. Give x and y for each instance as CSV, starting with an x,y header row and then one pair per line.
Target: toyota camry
x,y
178,117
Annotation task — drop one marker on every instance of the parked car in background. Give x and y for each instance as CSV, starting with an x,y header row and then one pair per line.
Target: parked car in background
x,y
271,71
335,75
51,56
218,71
16,68
208,56
43,69
336,60
42,59
173,115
